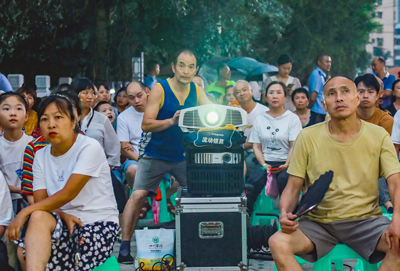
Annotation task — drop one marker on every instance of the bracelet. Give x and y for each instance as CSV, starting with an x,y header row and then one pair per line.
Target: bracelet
x,y
264,165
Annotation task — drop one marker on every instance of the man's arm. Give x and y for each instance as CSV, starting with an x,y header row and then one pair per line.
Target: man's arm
x,y
394,228
288,202
313,99
203,99
247,145
149,123
128,152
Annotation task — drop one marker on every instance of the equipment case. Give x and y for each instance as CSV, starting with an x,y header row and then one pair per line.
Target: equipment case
x,y
211,233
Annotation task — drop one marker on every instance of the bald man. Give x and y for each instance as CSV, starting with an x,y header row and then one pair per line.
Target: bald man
x,y
358,153
129,128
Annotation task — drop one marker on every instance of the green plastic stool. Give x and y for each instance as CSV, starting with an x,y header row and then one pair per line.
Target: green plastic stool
x,y
338,253
264,204
110,265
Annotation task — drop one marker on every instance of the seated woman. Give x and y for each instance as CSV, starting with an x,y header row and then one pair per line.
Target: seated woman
x,y
300,100
74,220
273,135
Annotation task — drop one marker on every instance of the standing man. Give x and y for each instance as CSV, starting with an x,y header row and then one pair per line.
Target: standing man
x,y
218,87
378,67
153,69
160,148
316,82
349,212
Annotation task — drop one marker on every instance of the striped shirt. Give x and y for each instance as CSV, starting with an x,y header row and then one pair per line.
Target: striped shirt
x,y
29,155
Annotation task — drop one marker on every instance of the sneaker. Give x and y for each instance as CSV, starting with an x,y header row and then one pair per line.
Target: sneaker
x,y
128,259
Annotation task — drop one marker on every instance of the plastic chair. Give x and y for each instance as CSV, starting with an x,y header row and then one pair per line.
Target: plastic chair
x,y
264,204
337,255
110,265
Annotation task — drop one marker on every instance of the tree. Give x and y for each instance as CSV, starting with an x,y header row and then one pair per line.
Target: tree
x,y
340,30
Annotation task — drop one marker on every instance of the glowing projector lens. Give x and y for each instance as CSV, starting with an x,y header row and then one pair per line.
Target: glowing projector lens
x,y
212,117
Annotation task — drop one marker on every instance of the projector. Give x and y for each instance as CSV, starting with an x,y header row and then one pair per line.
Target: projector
x,y
212,116
217,158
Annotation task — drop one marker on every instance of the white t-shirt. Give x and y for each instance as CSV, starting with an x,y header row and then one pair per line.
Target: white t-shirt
x,y
96,201
396,128
100,128
129,127
257,111
11,160
6,209
274,134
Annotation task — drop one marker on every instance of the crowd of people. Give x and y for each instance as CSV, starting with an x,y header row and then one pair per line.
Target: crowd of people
x,y
65,163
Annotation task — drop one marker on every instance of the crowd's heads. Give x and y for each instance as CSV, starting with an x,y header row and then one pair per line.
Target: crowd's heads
x,y
74,99
285,65
300,98
184,66
106,109
275,94
341,98
29,93
153,67
121,98
62,87
13,108
242,91
103,92
198,81
223,71
137,95
378,64
229,96
396,89
324,62
57,118
86,91
81,84
368,87
369,81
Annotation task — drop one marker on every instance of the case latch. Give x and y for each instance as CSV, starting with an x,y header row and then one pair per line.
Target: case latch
x,y
211,230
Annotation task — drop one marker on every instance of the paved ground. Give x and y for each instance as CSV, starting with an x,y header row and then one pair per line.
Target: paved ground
x,y
254,264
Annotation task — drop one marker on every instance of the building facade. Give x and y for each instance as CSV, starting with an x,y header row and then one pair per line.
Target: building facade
x,y
383,42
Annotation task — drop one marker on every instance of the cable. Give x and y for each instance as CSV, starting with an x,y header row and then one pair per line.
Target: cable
x,y
258,236
165,264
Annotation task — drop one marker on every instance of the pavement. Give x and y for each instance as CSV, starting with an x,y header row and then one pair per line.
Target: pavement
x,y
253,264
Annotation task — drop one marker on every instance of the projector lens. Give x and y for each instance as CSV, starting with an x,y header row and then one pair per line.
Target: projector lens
x,y
212,117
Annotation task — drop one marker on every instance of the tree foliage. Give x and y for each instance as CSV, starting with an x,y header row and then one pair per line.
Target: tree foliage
x,y
98,38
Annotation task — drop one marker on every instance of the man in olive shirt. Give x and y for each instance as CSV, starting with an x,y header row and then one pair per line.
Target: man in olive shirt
x,y
358,153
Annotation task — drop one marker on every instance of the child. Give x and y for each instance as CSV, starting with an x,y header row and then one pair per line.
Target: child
x,y
75,209
30,95
106,109
12,144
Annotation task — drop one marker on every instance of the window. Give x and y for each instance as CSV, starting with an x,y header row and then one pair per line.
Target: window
x,y
378,51
379,42
379,3
379,29
379,14
373,41
397,41
397,31
397,52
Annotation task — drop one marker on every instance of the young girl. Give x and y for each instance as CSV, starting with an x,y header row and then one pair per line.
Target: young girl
x,y
229,97
12,145
72,180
